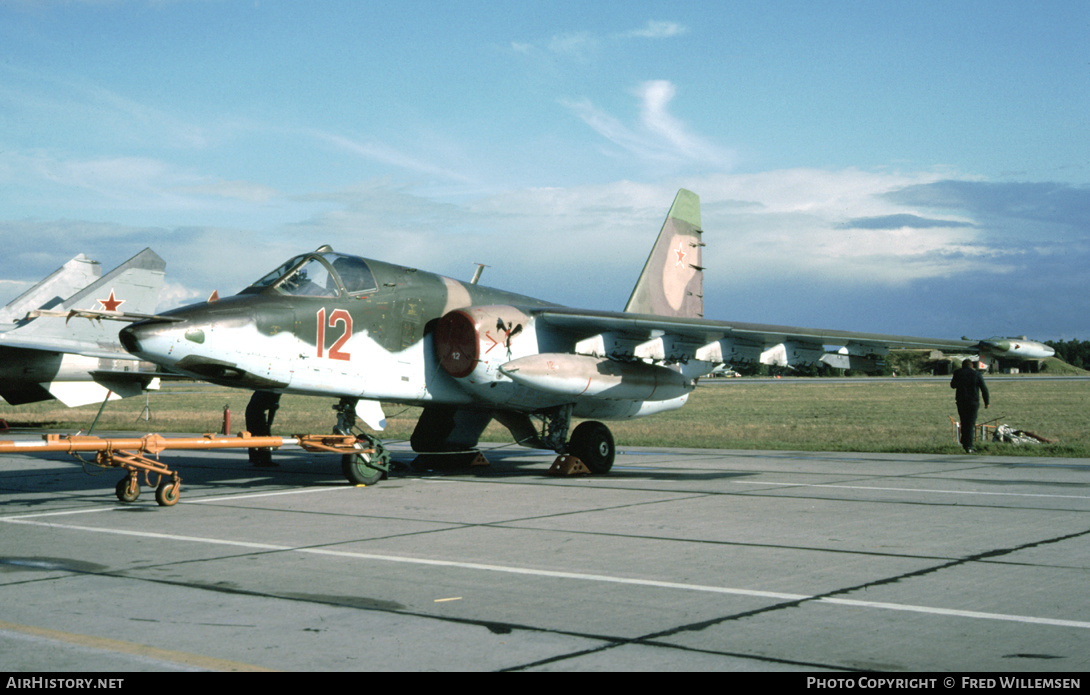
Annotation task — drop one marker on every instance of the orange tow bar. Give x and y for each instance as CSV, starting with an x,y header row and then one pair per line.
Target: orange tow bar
x,y
131,453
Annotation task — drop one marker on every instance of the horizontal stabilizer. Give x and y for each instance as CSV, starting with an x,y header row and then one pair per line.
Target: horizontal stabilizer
x,y
76,393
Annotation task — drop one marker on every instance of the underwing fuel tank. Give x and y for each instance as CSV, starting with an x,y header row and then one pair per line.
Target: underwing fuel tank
x,y
583,375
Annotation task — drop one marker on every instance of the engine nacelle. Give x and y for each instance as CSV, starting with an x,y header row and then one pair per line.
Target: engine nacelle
x,y
473,343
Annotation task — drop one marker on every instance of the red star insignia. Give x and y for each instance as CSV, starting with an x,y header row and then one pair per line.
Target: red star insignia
x,y
112,303
680,254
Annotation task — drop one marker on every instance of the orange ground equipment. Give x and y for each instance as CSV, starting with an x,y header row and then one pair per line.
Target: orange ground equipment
x,y
363,459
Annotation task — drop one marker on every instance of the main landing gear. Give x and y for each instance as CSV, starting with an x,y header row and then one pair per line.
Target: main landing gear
x,y
591,442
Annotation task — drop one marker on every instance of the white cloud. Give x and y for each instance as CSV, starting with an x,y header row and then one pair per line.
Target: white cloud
x,y
236,190
379,152
659,136
792,223
791,236
87,107
658,30
583,45
577,45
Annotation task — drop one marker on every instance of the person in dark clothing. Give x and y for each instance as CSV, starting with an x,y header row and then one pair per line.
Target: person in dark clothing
x,y
260,425
970,388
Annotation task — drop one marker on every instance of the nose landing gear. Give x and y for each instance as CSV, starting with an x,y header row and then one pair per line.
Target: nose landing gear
x,y
371,462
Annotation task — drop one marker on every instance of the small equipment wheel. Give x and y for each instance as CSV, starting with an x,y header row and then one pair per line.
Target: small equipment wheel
x,y
592,443
168,492
128,489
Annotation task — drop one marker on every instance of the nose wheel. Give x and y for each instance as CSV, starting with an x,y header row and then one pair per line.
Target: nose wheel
x,y
368,466
371,462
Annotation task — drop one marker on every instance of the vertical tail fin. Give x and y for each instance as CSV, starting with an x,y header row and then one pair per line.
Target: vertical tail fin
x,y
672,281
134,284
62,283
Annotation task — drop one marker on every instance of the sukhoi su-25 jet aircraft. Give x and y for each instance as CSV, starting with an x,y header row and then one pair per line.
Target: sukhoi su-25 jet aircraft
x,y
331,324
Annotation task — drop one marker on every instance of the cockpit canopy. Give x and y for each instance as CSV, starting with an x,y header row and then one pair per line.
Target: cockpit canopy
x,y
323,273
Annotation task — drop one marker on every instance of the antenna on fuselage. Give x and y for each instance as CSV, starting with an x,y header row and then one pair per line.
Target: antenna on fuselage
x,y
477,273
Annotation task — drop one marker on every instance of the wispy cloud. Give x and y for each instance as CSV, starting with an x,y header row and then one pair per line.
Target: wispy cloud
x,y
379,152
235,190
1041,201
655,97
578,45
657,30
900,221
87,106
583,45
658,136
811,247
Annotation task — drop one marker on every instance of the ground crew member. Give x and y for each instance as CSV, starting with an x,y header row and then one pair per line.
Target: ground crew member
x,y
970,388
259,424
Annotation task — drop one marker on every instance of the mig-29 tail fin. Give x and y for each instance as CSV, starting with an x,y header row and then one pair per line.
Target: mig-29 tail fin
x,y
62,283
672,281
128,291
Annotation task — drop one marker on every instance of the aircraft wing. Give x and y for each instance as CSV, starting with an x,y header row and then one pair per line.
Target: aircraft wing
x,y
626,336
100,347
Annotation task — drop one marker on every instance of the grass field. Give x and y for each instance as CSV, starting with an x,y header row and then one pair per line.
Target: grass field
x,y
907,416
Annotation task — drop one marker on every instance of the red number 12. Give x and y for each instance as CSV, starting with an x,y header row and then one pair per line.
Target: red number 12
x,y
338,316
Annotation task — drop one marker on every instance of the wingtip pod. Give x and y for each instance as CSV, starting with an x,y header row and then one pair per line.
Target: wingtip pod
x,y
672,281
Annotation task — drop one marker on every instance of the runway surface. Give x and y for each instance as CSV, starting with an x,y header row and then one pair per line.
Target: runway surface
x,y
677,560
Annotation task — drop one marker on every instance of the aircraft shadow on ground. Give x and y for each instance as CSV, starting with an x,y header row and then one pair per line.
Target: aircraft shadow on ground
x,y
63,474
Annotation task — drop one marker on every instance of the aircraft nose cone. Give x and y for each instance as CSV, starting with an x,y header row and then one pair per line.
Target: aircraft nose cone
x,y
139,338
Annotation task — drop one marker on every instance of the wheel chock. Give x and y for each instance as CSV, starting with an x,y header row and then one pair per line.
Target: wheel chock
x,y
479,460
566,464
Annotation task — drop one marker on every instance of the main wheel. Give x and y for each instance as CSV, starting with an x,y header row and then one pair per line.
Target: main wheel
x,y
592,443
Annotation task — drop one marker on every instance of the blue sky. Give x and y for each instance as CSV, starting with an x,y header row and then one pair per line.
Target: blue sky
x,y
918,168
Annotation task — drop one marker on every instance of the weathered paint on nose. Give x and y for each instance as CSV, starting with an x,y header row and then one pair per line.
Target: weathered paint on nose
x,y
237,342
141,338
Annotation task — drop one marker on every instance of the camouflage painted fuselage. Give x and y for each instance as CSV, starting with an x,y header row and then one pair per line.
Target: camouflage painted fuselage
x,y
374,343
